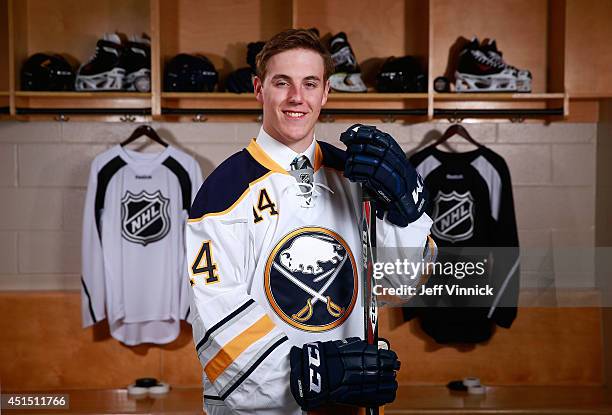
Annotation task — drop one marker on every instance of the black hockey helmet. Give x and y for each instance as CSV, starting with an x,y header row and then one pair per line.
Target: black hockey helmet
x,y
253,50
43,72
190,73
240,80
401,75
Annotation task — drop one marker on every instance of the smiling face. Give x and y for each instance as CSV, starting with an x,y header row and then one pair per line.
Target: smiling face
x,y
292,94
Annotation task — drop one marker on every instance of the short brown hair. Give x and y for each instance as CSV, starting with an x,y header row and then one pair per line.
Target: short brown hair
x,y
293,39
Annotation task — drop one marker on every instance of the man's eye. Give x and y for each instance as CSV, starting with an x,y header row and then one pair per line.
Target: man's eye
x,y
311,84
281,83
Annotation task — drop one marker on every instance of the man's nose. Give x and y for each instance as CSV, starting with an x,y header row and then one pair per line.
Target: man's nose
x,y
295,94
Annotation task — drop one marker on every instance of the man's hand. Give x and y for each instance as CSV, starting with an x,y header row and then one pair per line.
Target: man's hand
x,y
347,372
376,160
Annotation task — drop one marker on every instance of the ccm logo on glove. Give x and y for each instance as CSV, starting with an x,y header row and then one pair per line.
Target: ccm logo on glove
x,y
314,361
376,160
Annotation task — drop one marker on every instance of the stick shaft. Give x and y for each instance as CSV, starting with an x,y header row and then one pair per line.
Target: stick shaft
x,y
370,312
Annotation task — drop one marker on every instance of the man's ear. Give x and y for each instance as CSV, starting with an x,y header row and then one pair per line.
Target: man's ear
x,y
257,86
325,93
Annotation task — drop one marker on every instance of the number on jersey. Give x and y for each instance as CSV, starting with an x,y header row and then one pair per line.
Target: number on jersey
x,y
264,202
204,264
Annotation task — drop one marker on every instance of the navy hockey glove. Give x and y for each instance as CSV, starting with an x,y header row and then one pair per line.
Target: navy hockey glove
x,y
347,372
375,159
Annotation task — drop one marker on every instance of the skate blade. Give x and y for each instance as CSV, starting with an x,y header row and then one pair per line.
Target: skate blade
x,y
106,81
347,82
484,83
138,81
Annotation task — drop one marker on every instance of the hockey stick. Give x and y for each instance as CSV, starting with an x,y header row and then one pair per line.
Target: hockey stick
x,y
368,246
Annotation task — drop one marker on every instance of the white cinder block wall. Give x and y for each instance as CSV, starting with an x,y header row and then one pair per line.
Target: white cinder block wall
x,y
44,168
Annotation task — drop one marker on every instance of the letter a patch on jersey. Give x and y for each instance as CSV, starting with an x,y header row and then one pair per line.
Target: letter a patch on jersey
x,y
144,217
311,279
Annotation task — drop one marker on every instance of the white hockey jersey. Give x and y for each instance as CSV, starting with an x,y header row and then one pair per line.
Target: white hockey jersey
x,y
271,268
134,243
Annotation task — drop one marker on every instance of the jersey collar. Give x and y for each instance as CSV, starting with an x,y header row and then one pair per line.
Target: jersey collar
x,y
276,156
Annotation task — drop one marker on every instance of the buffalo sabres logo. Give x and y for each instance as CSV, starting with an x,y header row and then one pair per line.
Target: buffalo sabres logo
x,y
454,216
311,279
144,217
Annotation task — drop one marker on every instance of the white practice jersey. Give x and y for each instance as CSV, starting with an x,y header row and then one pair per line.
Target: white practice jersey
x,y
271,268
133,243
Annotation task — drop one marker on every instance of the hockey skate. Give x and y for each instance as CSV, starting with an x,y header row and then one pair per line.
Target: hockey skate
x,y
136,61
477,72
102,72
347,77
523,80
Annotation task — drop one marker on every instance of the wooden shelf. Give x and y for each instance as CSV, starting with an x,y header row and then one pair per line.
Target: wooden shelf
x,y
372,104
375,96
590,95
497,96
82,95
208,95
208,101
546,38
82,100
472,105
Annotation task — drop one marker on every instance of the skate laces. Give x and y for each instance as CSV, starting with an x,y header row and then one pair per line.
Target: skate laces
x,y
482,58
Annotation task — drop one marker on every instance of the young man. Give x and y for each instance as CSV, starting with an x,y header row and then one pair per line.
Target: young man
x,y
274,249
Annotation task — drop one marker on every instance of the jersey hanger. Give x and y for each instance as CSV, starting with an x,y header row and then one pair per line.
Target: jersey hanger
x,y
146,130
456,129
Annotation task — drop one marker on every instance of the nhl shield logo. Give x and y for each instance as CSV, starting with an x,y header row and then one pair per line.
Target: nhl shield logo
x,y
144,217
453,216
311,279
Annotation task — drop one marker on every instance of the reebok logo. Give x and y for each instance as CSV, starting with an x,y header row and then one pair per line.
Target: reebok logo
x,y
144,177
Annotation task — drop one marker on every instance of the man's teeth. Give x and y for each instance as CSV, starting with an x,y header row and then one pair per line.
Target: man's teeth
x,y
294,114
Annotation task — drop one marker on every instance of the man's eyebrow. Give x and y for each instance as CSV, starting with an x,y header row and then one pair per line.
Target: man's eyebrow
x,y
288,78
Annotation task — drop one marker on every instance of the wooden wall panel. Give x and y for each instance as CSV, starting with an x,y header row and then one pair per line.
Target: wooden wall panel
x,y
72,27
583,110
4,46
543,347
44,346
589,55
179,361
391,28
220,29
556,45
519,26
